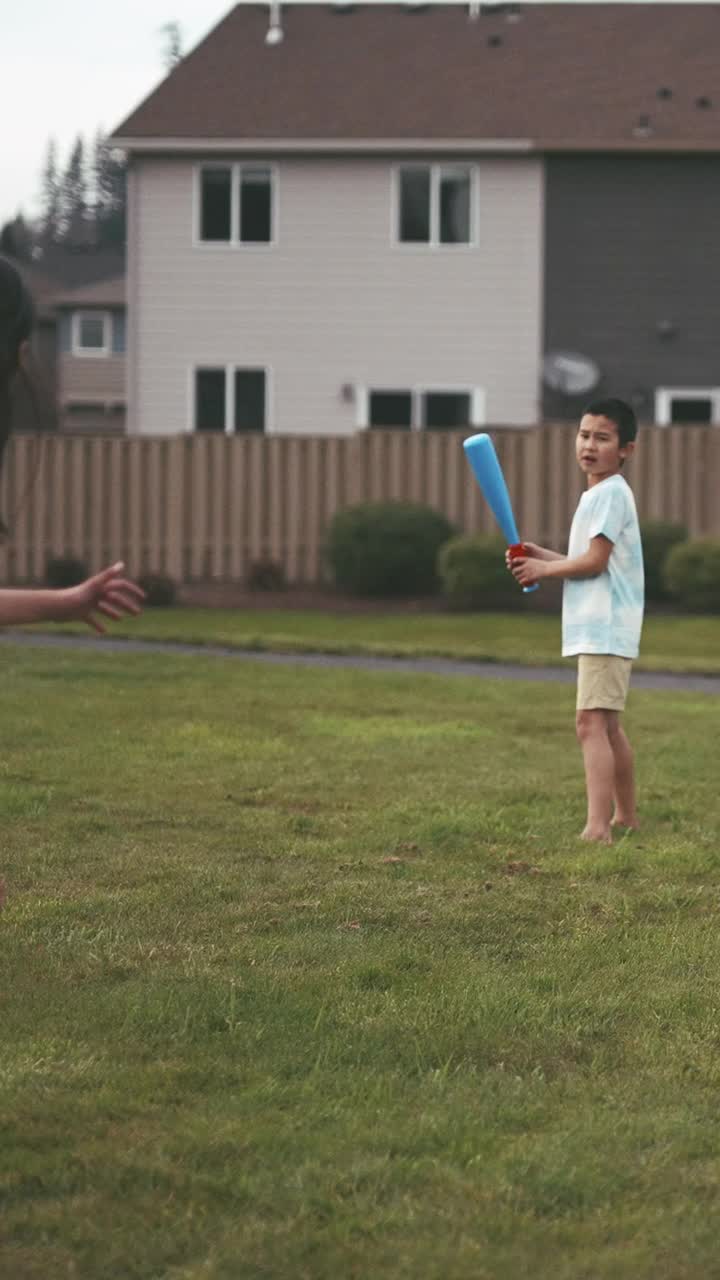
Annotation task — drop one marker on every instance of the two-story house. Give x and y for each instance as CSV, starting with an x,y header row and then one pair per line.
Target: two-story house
x,y
423,216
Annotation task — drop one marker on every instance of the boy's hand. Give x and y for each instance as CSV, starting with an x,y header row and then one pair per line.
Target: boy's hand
x,y
107,593
527,569
537,552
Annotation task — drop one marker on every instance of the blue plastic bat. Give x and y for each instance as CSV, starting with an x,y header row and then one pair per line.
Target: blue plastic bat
x,y
486,468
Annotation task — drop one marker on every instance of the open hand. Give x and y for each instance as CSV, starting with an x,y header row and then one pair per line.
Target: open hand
x,y
107,593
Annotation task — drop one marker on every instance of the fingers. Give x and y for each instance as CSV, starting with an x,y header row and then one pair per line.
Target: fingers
x,y
111,578
128,602
96,624
109,611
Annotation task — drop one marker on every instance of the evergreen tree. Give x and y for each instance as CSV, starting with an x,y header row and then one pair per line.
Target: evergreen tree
x,y
109,172
74,225
172,51
50,216
17,239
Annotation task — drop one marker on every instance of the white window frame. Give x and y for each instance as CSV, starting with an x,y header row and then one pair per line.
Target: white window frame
x,y
434,243
477,403
236,168
91,353
230,370
664,397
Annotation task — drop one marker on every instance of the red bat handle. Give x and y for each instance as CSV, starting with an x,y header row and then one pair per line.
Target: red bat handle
x,y
516,550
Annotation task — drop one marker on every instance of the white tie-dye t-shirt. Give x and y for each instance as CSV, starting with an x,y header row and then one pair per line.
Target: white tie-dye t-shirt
x,y
604,614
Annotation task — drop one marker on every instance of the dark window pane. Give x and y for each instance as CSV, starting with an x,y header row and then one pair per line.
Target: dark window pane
x,y
415,206
390,409
455,206
210,400
249,399
215,204
446,409
256,206
694,409
92,333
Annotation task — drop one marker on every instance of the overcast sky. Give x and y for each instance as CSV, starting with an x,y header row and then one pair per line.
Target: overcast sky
x,y
75,66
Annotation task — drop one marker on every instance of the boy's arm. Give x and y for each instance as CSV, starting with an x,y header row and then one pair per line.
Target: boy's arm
x,y
544,553
590,564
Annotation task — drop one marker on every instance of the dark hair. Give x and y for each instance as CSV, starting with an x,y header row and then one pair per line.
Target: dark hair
x,y
17,317
620,413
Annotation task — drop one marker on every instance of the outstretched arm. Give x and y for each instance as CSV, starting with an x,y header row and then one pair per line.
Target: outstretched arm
x,y
590,564
108,593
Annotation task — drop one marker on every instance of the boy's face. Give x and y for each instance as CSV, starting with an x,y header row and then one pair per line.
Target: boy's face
x,y
598,449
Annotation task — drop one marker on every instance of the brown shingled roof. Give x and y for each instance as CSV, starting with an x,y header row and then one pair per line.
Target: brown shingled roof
x,y
621,75
103,293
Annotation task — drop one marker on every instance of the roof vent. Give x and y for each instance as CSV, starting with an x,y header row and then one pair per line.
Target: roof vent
x,y
494,41
664,92
275,34
703,103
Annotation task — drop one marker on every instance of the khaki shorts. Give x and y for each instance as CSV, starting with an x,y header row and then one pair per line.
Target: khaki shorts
x,y
603,680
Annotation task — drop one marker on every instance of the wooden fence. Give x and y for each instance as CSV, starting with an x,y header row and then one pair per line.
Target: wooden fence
x,y
207,507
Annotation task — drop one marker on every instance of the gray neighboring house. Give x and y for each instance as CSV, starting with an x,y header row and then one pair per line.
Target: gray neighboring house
x,y
393,213
91,373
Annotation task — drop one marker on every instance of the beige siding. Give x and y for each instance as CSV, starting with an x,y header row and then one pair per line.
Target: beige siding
x,y
334,301
92,377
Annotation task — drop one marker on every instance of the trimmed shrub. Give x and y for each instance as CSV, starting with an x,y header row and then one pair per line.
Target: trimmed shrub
x,y
386,548
692,575
474,574
266,575
160,590
658,538
65,571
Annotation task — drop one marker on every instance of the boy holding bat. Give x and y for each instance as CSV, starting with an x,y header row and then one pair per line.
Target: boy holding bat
x,y
603,597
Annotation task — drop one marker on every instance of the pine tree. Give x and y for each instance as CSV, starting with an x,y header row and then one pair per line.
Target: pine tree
x,y
17,240
108,170
172,52
50,216
74,226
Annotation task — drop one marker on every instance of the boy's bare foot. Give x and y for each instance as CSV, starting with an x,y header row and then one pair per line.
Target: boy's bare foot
x,y
627,824
602,835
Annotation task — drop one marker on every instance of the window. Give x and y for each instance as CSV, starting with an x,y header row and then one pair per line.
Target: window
x,y
210,400
255,206
249,400
91,333
681,406
428,409
390,409
224,396
415,206
235,204
216,204
447,409
435,204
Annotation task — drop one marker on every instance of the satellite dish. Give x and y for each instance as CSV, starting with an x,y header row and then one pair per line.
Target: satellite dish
x,y
570,373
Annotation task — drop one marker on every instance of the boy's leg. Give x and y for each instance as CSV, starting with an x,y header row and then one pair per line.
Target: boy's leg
x,y
599,761
625,814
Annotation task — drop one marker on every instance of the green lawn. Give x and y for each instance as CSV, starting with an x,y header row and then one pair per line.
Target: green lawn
x,y
670,643
306,975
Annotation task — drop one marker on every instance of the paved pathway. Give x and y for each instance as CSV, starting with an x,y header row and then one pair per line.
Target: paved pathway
x,y
363,662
